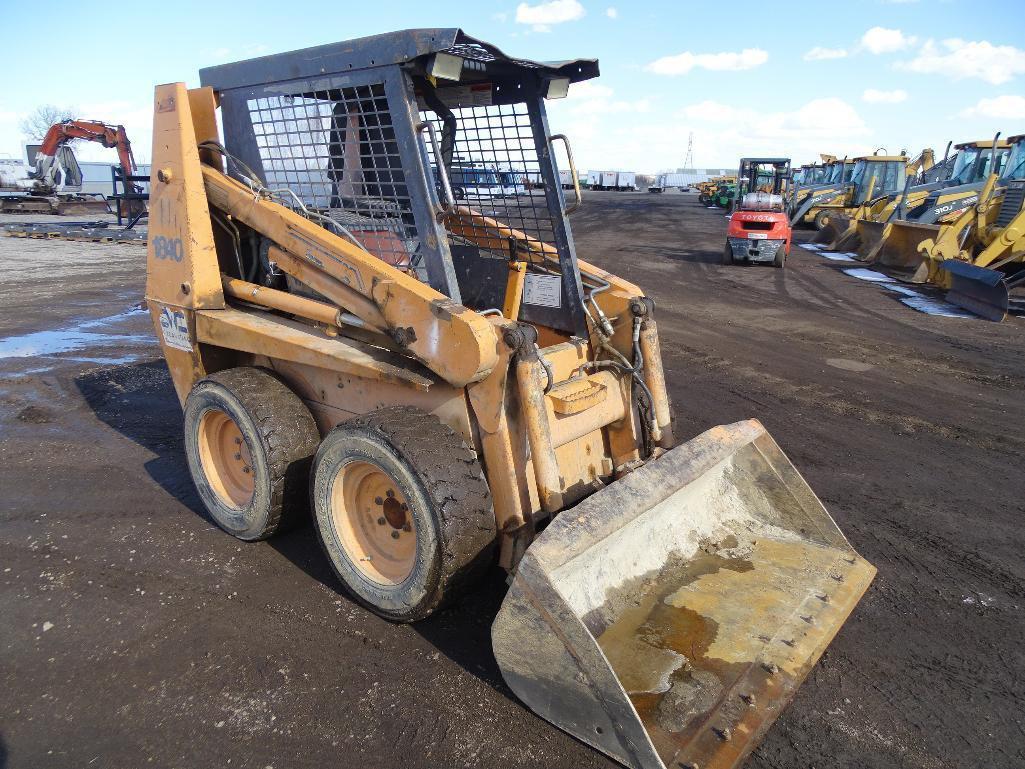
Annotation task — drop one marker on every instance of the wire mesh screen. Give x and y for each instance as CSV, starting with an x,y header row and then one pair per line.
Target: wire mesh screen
x,y
336,151
496,179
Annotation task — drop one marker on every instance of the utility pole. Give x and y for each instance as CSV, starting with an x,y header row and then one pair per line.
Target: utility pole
x,y
688,162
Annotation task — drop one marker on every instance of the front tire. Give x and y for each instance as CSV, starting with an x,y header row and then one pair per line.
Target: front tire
x,y
402,511
249,441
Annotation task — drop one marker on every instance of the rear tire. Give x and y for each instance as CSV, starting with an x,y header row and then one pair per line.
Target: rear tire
x,y
249,441
402,511
780,259
727,254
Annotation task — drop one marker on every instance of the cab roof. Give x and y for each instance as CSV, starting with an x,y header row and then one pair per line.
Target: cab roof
x,y
387,50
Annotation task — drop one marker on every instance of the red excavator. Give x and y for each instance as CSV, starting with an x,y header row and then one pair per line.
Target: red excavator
x,y
759,230
55,184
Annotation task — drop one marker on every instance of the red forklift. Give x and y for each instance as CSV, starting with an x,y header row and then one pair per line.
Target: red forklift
x,y
759,230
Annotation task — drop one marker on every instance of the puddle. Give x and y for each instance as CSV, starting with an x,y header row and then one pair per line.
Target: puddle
x,y
839,257
871,275
936,307
82,336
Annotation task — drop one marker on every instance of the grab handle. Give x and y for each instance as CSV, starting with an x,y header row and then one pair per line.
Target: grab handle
x,y
439,163
572,170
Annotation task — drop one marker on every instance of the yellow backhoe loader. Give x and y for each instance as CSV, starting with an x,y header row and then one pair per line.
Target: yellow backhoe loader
x,y
839,231
892,236
871,176
447,385
984,259
822,184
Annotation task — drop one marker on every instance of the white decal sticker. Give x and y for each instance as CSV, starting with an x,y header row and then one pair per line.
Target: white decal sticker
x,y
542,290
175,329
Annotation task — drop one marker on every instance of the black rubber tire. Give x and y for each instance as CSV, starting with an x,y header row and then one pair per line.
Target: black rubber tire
x,y
448,497
281,436
780,259
727,254
821,219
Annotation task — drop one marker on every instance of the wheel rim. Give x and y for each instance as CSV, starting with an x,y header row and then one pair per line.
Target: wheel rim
x,y
226,459
372,519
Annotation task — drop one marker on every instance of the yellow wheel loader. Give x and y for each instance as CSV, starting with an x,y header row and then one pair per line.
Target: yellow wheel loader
x,y
445,385
893,236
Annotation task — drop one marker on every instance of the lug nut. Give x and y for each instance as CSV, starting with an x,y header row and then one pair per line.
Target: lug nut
x,y
381,521
395,534
406,527
238,455
389,493
238,441
245,468
378,501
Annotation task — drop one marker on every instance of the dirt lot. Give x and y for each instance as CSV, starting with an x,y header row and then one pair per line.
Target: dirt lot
x,y
134,633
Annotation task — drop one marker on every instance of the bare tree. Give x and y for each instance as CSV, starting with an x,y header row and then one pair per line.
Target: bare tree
x,y
38,122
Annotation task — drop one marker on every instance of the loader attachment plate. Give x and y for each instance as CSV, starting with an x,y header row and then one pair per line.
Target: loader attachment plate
x,y
667,619
978,289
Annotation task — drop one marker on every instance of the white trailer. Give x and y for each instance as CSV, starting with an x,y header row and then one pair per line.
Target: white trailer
x,y
608,180
594,180
626,181
566,180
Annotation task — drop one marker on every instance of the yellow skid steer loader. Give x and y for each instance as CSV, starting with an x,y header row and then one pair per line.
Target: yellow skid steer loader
x,y
420,358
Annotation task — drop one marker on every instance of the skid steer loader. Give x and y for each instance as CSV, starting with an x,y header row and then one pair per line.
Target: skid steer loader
x,y
892,237
446,384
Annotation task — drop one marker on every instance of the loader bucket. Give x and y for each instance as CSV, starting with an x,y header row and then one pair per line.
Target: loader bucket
x,y
900,252
667,619
870,236
841,233
835,224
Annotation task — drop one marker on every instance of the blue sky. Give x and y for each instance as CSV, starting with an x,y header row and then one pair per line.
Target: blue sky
x,y
791,78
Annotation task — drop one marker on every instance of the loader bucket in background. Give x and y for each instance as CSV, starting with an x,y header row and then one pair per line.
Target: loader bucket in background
x,y
870,236
667,619
900,253
829,230
845,234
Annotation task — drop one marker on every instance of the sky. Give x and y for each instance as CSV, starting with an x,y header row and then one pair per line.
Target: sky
x,y
745,78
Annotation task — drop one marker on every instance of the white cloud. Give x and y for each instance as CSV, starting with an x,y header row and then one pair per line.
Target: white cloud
x,y
961,59
819,53
883,40
543,15
612,13
876,96
1009,107
682,63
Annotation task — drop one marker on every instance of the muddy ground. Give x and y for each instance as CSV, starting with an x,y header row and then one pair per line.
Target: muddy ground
x,y
134,633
